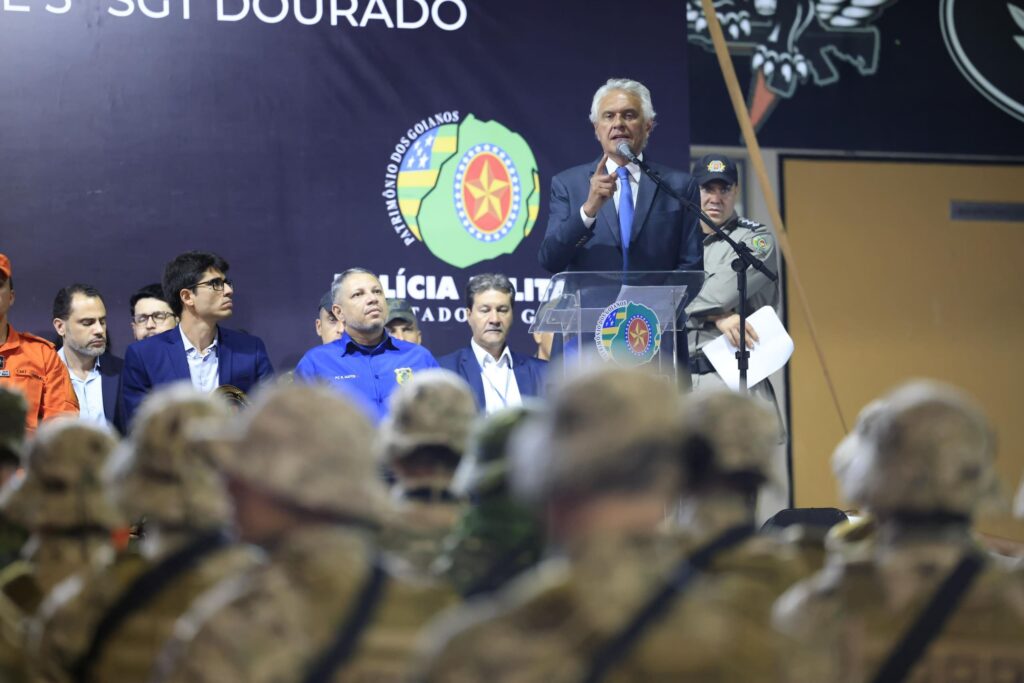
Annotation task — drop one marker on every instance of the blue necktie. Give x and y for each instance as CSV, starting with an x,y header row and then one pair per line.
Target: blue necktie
x,y
625,214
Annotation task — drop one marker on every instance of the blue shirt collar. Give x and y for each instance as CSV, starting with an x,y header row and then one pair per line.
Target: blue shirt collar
x,y
350,346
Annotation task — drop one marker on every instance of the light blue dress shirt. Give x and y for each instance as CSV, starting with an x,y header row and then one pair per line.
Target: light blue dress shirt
x,y
205,368
89,392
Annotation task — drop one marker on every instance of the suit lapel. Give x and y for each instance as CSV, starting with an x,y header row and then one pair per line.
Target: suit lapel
x,y
224,359
524,380
644,199
471,371
607,218
176,352
109,383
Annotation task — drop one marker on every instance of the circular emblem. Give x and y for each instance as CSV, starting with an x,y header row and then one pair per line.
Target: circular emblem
x,y
628,334
466,189
986,40
716,166
486,192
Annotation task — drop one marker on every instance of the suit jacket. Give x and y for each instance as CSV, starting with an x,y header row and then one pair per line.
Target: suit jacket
x,y
529,372
242,361
665,236
110,376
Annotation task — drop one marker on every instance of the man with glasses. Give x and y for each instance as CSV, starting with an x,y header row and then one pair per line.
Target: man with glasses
x,y
198,349
151,315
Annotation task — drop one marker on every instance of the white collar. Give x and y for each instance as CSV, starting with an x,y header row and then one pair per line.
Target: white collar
x,y
634,169
483,357
64,358
189,346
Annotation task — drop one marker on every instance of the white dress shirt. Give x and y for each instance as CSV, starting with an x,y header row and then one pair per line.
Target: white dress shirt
x,y
498,377
89,392
204,368
634,186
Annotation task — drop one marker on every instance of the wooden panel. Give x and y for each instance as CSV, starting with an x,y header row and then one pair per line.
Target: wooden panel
x,y
898,291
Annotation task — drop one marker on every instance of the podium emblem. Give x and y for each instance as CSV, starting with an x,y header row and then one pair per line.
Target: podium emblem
x,y
628,334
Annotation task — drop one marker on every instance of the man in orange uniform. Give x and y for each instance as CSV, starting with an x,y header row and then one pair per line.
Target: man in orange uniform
x,y
31,365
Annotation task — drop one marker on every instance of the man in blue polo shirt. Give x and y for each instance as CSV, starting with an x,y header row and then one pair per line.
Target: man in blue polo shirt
x,y
366,363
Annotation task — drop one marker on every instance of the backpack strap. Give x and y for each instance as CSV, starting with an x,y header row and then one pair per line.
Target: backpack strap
x,y
622,643
930,621
340,650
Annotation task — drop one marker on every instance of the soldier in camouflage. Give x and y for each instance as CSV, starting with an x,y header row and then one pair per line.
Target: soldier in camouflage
x,y
62,504
109,623
920,461
601,464
300,469
422,441
497,537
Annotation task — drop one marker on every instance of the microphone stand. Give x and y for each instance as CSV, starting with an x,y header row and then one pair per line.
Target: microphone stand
x,y
744,258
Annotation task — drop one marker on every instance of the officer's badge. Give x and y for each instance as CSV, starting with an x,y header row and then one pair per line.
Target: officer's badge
x,y
403,375
716,166
761,246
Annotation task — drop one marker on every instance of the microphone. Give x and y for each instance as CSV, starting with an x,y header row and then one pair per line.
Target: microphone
x,y
624,150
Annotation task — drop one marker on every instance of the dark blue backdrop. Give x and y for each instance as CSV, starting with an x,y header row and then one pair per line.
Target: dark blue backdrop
x,y
127,139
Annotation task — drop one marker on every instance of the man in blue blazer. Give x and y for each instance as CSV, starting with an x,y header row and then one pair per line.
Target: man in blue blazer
x,y
650,231
198,349
498,376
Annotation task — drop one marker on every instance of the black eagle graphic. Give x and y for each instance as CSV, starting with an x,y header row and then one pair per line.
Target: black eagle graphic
x,y
792,42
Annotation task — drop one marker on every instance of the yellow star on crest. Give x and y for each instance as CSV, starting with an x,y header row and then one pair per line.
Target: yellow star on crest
x,y
638,338
487,192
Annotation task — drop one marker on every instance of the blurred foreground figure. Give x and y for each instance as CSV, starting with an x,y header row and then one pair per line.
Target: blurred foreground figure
x,y
60,502
301,472
109,623
497,536
926,603
602,465
423,439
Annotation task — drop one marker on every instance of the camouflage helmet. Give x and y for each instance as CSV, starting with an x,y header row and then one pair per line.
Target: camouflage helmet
x,y
163,473
63,485
433,408
925,447
308,446
484,469
740,433
13,409
606,427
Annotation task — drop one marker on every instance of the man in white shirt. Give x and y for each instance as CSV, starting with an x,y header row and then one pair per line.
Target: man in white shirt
x,y
498,376
80,319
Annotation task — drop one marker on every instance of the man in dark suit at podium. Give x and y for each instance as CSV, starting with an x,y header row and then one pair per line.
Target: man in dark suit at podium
x,y
642,227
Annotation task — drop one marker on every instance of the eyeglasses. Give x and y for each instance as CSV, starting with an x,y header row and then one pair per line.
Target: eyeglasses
x,y
217,284
157,317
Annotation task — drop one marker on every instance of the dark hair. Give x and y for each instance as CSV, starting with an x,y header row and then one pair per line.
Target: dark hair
x,y
184,271
486,281
151,291
62,302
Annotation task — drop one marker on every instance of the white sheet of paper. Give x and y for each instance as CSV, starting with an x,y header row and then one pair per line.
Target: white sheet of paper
x,y
770,353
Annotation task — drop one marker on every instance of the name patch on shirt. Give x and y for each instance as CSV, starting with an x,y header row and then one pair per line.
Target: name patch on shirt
x,y
345,376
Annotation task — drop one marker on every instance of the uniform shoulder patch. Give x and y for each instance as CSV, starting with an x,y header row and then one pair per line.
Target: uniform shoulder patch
x,y
762,245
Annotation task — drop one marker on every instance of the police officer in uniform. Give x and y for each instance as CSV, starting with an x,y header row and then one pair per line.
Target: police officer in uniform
x,y
301,472
927,603
111,624
715,309
422,441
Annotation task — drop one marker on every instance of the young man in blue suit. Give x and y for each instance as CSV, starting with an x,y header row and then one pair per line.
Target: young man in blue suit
x,y
196,286
642,227
498,376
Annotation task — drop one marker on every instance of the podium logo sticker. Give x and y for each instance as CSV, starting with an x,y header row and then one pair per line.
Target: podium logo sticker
x,y
628,334
467,189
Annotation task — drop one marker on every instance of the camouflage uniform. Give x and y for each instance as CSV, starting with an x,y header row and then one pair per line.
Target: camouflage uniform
x,y
61,502
311,451
430,419
920,461
497,537
160,476
554,623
